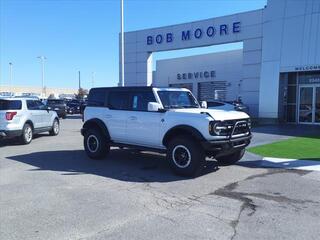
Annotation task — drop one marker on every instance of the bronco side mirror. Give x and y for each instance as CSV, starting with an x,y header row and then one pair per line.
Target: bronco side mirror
x,y
154,107
204,104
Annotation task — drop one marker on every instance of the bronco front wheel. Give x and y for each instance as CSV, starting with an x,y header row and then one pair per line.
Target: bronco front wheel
x,y
186,157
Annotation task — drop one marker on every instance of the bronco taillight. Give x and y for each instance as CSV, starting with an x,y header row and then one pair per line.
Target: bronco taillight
x,y
10,115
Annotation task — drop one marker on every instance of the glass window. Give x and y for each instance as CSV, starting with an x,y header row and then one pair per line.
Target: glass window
x,y
306,103
309,77
32,105
177,99
97,97
118,100
140,100
317,113
10,105
40,105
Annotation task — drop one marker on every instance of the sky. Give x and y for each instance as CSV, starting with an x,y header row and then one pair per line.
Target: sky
x,y
82,35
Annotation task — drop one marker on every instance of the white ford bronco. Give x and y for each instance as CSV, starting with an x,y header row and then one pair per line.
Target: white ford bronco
x,y
168,120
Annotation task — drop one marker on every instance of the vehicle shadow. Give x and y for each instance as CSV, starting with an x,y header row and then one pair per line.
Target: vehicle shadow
x,y
16,142
8,142
123,165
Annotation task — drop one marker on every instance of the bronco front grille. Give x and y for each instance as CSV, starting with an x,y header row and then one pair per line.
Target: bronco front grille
x,y
234,127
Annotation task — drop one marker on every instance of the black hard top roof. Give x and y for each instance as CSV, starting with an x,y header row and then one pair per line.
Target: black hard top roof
x,y
123,88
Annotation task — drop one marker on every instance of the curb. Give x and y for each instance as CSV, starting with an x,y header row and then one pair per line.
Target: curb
x,y
286,163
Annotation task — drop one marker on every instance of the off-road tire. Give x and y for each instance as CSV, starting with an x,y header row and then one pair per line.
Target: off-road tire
x,y
95,144
180,147
231,158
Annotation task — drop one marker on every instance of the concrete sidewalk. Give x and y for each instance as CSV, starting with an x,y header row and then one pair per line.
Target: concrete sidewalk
x,y
307,165
251,160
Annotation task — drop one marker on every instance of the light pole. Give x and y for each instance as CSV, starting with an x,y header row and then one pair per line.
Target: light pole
x,y
10,78
79,80
122,46
42,58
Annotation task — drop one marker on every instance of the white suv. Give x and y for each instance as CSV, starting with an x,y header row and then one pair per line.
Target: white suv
x,y
168,120
24,117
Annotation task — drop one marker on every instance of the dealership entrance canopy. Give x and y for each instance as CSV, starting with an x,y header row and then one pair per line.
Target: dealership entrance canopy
x,y
277,72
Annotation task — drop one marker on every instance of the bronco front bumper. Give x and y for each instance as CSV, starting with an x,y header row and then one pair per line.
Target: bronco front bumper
x,y
220,145
238,137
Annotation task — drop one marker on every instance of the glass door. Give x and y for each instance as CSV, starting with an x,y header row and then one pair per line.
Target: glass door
x,y
309,104
306,105
317,105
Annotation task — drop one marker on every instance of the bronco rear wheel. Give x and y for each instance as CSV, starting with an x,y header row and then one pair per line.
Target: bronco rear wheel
x,y
95,144
186,157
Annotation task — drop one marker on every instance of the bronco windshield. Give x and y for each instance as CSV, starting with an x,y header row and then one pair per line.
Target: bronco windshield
x,y
177,99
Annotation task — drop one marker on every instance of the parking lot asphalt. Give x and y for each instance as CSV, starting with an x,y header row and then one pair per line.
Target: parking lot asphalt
x,y
51,190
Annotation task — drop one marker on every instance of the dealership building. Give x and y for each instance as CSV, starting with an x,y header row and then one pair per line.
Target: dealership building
x,y
276,73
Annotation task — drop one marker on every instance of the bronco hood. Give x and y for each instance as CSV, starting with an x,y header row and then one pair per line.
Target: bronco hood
x,y
216,114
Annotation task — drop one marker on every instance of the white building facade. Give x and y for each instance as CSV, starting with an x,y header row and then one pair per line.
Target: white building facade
x,y
277,72
210,76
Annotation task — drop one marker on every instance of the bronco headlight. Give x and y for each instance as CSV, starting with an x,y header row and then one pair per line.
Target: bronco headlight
x,y
215,128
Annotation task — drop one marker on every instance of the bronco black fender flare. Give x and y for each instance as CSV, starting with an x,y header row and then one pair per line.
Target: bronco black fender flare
x,y
98,124
182,130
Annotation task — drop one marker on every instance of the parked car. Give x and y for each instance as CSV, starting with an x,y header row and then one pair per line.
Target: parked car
x,y
168,120
24,117
27,96
76,106
228,105
59,106
73,108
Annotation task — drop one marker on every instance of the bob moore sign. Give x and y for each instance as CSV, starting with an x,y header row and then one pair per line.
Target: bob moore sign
x,y
198,33
196,75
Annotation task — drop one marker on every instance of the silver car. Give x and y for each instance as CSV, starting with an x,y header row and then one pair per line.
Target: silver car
x,y
24,117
